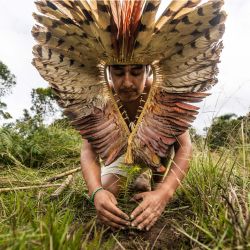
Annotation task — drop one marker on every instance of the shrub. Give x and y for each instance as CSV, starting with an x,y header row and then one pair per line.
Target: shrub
x,y
42,146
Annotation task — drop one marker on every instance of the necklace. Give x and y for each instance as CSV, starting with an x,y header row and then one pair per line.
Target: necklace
x,y
124,112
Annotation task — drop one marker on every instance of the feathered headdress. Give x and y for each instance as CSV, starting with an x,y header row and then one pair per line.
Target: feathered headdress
x,y
77,39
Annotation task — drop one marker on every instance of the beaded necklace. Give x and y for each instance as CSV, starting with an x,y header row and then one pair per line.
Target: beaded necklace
x,y
124,111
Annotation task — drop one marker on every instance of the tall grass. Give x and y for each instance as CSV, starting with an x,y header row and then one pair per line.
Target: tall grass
x,y
218,192
211,210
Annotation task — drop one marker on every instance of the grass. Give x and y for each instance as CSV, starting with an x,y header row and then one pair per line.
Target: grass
x,y
218,194
30,220
211,210
46,147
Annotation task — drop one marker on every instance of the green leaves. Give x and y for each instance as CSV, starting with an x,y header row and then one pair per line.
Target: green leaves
x,y
43,103
225,131
7,82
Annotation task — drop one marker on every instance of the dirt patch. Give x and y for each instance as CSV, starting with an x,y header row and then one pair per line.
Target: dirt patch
x,y
161,236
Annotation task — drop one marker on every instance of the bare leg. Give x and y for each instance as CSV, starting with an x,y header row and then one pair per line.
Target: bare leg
x,y
158,176
142,182
112,183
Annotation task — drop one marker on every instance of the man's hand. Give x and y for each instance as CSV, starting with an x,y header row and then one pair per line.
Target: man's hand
x,y
150,209
108,212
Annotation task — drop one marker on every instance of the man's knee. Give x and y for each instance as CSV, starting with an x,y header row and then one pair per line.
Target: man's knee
x,y
112,183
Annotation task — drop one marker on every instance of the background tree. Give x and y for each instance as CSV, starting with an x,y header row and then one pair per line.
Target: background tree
x,y
42,111
7,82
43,103
226,131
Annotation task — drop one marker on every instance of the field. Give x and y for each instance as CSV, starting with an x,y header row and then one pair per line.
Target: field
x,y
211,210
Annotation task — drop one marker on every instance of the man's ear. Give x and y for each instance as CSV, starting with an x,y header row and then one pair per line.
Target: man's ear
x,y
108,73
109,78
148,70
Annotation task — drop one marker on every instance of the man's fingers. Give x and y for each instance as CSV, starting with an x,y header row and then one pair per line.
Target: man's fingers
x,y
116,211
112,224
113,218
140,218
113,200
148,227
146,222
137,197
140,209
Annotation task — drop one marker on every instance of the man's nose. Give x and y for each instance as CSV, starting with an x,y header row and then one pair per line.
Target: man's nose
x,y
127,82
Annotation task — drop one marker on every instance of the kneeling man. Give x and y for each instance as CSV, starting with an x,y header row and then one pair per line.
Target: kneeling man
x,y
131,85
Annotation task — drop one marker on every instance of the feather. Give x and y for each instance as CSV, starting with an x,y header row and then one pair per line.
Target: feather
x,y
168,21
146,26
77,39
169,14
116,152
70,33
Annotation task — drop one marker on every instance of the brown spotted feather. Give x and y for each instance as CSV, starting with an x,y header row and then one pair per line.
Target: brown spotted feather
x,y
77,39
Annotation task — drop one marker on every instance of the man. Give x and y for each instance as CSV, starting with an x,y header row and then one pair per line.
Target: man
x,y
129,82
76,40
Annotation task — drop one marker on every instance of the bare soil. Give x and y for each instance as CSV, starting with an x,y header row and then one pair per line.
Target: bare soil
x,y
161,236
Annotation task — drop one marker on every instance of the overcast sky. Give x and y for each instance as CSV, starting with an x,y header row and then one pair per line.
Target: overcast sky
x,y
231,95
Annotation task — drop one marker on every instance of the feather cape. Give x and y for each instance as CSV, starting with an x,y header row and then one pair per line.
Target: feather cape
x,y
76,40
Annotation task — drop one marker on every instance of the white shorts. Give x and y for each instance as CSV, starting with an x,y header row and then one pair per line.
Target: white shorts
x,y
117,168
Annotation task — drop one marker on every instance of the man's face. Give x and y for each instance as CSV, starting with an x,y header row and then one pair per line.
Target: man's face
x,y
128,81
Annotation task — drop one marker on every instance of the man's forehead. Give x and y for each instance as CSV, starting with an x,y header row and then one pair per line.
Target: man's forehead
x,y
122,66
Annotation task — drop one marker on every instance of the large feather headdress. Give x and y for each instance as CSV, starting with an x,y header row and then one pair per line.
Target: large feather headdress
x,y
77,39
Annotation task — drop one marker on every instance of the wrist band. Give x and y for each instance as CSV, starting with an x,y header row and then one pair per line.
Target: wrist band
x,y
92,198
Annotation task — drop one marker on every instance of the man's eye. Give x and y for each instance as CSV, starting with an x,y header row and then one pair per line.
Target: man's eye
x,y
119,73
136,73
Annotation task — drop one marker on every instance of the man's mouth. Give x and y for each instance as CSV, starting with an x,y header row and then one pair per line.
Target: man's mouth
x,y
128,92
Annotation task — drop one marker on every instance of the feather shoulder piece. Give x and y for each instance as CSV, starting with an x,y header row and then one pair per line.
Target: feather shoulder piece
x,y
77,40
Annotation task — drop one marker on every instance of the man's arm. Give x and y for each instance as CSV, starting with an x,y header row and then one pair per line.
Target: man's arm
x,y
91,169
105,202
154,202
179,166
